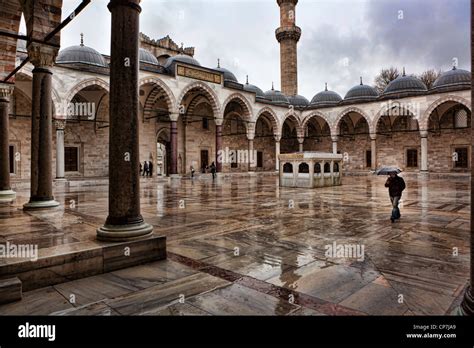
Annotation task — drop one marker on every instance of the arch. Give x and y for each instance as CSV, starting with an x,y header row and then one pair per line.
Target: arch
x,y
242,101
163,131
84,84
423,124
273,119
303,168
210,94
315,113
160,87
287,168
335,126
385,107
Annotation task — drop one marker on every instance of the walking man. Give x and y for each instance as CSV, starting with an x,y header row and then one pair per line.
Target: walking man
x,y
145,168
395,185
213,170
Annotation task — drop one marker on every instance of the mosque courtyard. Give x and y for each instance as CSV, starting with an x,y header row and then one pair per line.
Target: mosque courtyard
x,y
242,245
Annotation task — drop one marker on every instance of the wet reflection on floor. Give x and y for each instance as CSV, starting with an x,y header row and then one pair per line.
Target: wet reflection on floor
x,y
242,245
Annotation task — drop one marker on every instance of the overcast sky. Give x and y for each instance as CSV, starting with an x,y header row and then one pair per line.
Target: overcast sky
x,y
341,39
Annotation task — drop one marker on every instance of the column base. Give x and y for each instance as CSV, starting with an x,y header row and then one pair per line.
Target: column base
x,y
60,180
175,176
122,233
40,205
467,306
7,196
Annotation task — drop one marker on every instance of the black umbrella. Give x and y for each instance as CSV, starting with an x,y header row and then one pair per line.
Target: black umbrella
x,y
387,170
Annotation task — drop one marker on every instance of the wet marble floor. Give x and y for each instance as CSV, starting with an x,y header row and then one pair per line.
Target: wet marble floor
x,y
245,246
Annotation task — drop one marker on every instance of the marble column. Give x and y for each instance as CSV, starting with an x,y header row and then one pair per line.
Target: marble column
x,y
424,150
251,157
124,221
373,151
300,144
41,196
467,305
277,152
60,126
334,144
174,145
219,144
6,193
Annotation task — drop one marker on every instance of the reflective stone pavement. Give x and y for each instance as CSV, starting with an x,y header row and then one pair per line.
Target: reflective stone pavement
x,y
244,246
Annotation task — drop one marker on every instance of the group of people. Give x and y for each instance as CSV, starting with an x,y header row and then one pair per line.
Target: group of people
x,y
146,169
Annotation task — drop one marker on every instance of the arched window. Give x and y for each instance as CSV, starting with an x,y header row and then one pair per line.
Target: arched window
x,y
336,167
303,168
287,168
317,168
327,168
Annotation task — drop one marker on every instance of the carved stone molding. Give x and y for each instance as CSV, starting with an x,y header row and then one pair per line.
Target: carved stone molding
x,y
42,56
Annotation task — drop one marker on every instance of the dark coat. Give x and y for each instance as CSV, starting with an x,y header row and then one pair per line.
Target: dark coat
x,y
395,186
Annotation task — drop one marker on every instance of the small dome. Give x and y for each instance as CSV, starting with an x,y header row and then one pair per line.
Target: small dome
x,y
181,58
298,101
326,98
405,84
147,57
228,75
452,78
81,54
361,92
254,89
277,97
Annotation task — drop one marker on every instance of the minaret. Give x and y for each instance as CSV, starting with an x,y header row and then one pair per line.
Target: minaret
x,y
288,35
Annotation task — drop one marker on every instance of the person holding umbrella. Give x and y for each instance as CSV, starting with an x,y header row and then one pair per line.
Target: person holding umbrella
x,y
395,185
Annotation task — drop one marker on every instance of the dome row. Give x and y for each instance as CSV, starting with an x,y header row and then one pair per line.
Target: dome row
x,y
402,85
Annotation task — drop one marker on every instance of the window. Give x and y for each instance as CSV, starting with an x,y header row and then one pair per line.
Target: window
x,y
317,168
327,168
303,168
287,168
462,161
205,123
71,159
368,159
11,152
259,159
412,158
336,167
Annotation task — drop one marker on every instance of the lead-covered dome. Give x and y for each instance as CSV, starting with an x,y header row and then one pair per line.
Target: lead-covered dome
x,y
180,58
147,57
453,78
405,84
326,97
361,92
254,89
228,75
81,54
298,101
277,97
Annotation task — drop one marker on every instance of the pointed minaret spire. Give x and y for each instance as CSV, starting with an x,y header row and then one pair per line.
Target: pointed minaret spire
x,y
361,81
404,74
82,39
326,88
273,88
218,62
247,80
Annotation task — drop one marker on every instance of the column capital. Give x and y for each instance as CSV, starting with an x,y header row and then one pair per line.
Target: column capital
x,y
334,138
424,133
277,137
60,125
300,140
135,4
219,121
373,136
6,90
42,56
174,117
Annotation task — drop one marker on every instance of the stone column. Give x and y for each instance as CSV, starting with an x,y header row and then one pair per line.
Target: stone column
x,y
42,57
174,145
424,150
124,221
251,158
373,151
334,144
6,193
300,144
467,305
60,126
219,144
277,152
